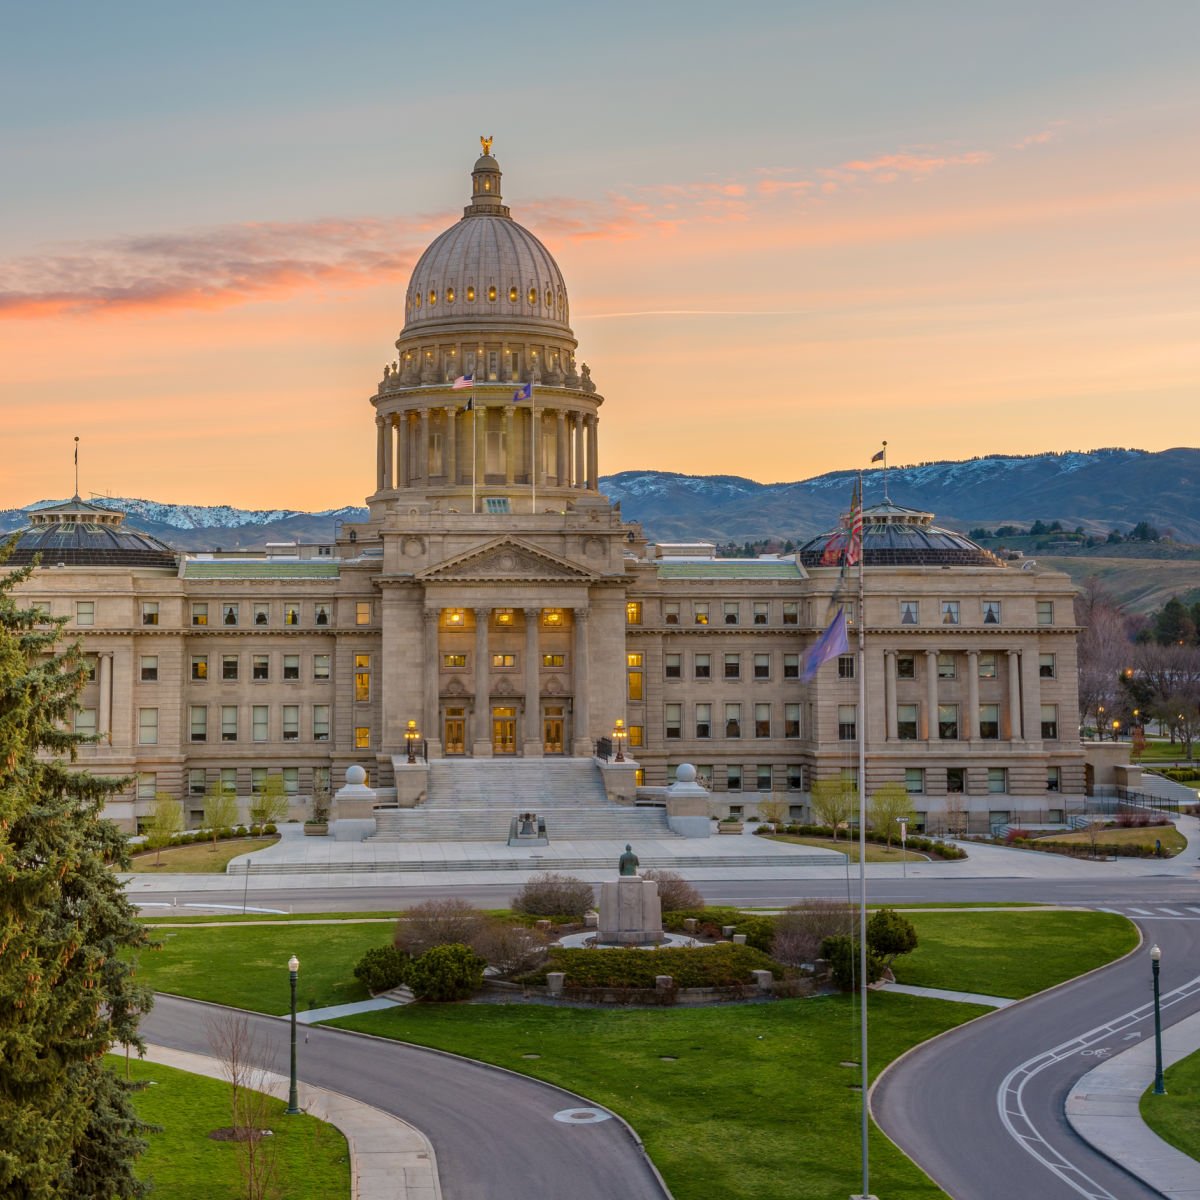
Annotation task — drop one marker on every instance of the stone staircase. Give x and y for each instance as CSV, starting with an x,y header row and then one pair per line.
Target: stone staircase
x,y
473,800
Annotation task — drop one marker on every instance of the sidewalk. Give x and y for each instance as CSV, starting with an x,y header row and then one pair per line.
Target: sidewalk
x,y
1103,1109
389,1159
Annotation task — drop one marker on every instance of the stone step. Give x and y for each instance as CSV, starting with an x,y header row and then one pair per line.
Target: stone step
x,y
611,823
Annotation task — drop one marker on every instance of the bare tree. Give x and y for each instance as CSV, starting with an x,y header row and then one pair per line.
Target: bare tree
x,y
1167,681
1103,649
800,930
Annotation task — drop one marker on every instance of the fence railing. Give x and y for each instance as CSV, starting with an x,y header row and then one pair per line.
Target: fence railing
x,y
604,749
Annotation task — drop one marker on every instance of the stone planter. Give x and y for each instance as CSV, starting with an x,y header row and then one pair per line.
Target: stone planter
x,y
316,828
730,827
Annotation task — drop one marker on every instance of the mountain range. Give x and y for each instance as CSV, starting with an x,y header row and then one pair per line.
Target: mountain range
x,y
1099,490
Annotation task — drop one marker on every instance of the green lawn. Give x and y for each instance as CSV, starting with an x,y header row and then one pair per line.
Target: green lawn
x,y
849,847
1174,1117
1011,954
227,918
184,1163
200,858
1146,835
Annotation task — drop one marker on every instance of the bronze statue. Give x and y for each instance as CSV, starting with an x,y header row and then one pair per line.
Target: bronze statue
x,y
486,143
628,863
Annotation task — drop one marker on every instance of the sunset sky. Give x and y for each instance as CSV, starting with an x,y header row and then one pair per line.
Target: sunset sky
x,y
789,230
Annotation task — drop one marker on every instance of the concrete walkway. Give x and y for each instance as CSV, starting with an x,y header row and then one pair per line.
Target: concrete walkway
x,y
908,989
393,999
1103,1109
389,1159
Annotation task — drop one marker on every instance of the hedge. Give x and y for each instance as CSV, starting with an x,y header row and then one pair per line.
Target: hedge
x,y
705,966
915,841
759,931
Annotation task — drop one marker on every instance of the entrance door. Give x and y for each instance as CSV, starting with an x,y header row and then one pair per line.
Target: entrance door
x,y
456,731
504,731
552,731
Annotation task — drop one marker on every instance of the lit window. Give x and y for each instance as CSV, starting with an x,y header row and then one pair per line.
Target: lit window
x,y
791,666
454,660
761,612
456,618
200,666
362,612
633,612
703,720
991,612
229,666
417,300
504,660
432,297
1045,612
791,720
673,724
554,660
291,666
847,722
261,614
362,737
946,666
700,614
914,780
762,720
987,666
1046,667
505,618
147,726
260,722
552,617
291,614
150,612
673,666
950,612
260,667
989,721
149,668
948,722
910,612
320,666
733,720
362,678
906,722
492,293
320,720
637,736
85,612
199,722
200,614
85,721
532,296
470,294
291,722
1050,722
450,294
229,722
703,666
845,666
512,295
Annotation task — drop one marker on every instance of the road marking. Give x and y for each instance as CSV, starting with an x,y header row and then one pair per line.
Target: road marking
x,y
582,1116
1010,1102
1117,911
1099,1052
1142,912
1173,911
1191,909
1129,1037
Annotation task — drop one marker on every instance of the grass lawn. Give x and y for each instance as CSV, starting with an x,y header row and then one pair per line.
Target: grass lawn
x,y
184,1163
259,918
1174,1116
1011,954
849,847
200,858
1172,840
745,1102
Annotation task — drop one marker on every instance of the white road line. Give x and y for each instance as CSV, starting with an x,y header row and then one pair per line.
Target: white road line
x,y
1173,911
1191,909
1142,912
1010,1102
1118,911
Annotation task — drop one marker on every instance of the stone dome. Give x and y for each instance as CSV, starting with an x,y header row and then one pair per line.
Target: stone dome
x,y
486,270
894,536
77,534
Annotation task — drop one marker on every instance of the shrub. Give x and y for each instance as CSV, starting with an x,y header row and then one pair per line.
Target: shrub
x,y
270,827
437,923
382,968
674,891
446,973
800,930
1016,835
889,935
725,965
759,931
553,895
240,831
509,947
843,955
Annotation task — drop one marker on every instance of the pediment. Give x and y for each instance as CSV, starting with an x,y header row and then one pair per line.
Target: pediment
x,y
509,560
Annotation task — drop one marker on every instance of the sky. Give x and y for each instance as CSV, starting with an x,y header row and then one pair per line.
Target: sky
x,y
789,230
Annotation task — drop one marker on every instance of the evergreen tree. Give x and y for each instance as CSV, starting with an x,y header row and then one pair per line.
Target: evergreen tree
x,y
67,993
1173,624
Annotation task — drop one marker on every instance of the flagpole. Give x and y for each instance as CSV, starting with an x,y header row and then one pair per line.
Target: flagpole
x,y
885,491
77,466
862,831
474,445
533,450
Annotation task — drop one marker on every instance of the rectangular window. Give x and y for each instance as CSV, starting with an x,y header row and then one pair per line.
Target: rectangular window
x,y
291,722
704,774
554,660
229,780
229,666
947,667
795,777
1053,779
149,612
733,779
762,666
703,720
291,781
91,664
260,728
320,719
791,612
847,722
362,737
85,721
197,784
1050,722
85,612
948,722
261,615
149,668
362,612
148,726
703,665
762,612
505,618
997,779
987,666
459,660
991,612
910,612
291,666
633,612
1046,666
147,785
362,679
700,613
670,611
291,613
637,735
198,721
633,664
989,721
845,666
950,610
733,720
673,666
42,608
260,666
229,714
258,780
321,614
906,666
732,612
552,618
791,720
230,614
955,780
763,777
914,780
504,660
673,727
791,666
199,667
762,720
200,613
1045,612
320,666
906,722
733,666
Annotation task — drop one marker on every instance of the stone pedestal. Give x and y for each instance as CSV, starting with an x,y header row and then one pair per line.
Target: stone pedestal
x,y
355,799
688,804
630,912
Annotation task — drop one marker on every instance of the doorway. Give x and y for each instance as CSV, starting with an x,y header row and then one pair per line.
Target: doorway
x,y
456,731
552,731
504,731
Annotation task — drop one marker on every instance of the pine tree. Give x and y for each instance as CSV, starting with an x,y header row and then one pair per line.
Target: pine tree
x,y
67,992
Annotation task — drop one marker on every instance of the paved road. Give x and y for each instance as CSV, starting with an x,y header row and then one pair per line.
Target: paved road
x,y
995,1088
494,1134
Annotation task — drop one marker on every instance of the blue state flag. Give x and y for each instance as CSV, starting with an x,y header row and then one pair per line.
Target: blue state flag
x,y
525,393
829,645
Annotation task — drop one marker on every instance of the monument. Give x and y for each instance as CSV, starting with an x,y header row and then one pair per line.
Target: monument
x,y
630,908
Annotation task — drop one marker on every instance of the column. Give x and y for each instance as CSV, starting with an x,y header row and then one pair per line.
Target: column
x,y
379,454
450,450
561,450
533,698
479,428
387,453
432,727
481,729
971,724
593,454
582,734
104,673
889,693
1031,694
510,446
580,472
931,696
423,449
403,478
1014,696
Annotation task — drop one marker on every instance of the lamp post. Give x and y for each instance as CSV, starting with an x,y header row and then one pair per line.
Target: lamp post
x,y
1155,960
1100,722
410,737
903,821
619,736
293,1107
1116,731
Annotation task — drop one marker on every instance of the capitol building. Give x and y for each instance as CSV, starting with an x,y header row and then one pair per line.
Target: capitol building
x,y
496,605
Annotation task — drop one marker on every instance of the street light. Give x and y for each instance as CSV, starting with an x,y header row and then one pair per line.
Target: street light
x,y
1159,1089
903,821
1100,722
619,736
1116,730
293,1107
410,736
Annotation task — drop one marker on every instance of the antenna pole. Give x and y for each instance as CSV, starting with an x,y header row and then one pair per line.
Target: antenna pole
x,y
77,466
474,446
862,836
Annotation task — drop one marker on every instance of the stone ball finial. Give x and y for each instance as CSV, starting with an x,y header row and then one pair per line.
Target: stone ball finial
x,y
685,773
355,776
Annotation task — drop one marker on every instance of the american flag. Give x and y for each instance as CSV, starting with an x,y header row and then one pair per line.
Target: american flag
x,y
463,381
854,544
